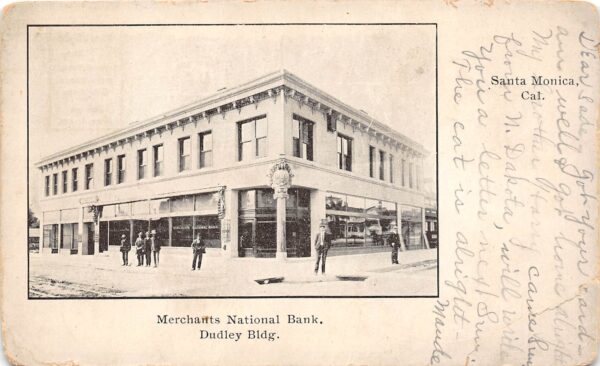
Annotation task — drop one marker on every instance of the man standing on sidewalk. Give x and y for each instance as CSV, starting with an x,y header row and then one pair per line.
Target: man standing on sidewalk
x,y
139,249
148,249
394,241
322,244
198,250
125,248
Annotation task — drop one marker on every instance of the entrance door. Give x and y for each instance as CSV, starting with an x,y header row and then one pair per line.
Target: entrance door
x,y
298,237
90,238
266,239
246,238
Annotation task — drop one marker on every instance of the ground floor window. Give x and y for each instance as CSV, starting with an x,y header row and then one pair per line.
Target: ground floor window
x,y
356,221
168,231
50,238
412,227
70,236
185,229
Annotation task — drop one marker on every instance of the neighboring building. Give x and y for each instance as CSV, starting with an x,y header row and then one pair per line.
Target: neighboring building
x,y
431,214
33,241
254,169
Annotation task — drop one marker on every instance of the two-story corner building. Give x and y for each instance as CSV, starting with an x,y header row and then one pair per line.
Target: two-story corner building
x,y
254,169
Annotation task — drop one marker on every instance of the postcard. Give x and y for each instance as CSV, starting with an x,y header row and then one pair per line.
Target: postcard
x,y
300,183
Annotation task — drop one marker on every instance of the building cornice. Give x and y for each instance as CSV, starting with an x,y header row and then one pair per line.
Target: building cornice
x,y
270,86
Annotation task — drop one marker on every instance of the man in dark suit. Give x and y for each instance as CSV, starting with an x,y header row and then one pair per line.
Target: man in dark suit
x,y
155,246
322,244
198,250
394,241
148,249
125,248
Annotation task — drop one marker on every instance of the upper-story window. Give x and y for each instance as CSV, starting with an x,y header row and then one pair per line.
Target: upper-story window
x,y
391,168
410,175
371,161
403,171
381,165
108,171
47,186
121,166
55,183
185,149
302,134
65,181
74,179
142,160
89,176
158,157
252,138
344,150
205,147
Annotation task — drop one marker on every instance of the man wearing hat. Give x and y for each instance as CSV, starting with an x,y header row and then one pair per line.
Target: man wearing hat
x,y
155,246
139,249
148,249
394,241
322,244
125,248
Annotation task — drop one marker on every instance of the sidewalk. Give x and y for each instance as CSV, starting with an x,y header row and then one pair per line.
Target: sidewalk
x,y
103,276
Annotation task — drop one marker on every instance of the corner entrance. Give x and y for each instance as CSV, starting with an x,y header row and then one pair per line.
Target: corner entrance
x,y
258,228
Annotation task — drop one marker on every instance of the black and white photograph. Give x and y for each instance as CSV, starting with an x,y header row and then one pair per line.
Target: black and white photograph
x,y
232,160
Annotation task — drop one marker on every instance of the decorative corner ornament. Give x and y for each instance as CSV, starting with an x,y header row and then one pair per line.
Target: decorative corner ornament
x,y
280,177
220,198
97,211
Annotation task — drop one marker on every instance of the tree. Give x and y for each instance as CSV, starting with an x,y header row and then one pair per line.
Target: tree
x,y
32,220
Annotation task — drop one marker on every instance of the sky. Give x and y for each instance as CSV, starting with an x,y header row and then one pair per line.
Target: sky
x,y
89,81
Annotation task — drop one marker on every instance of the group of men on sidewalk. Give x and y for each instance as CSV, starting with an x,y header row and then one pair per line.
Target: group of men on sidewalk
x,y
148,248
145,248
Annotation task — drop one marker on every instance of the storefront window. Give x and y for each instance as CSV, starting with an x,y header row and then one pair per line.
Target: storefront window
x,y
183,234
335,201
337,228
116,229
366,222
210,230
303,198
264,198
247,199
50,239
355,204
412,227
67,236
161,229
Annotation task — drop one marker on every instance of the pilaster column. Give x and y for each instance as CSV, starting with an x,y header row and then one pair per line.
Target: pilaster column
x,y
227,213
281,196
80,232
97,211
41,245
281,179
